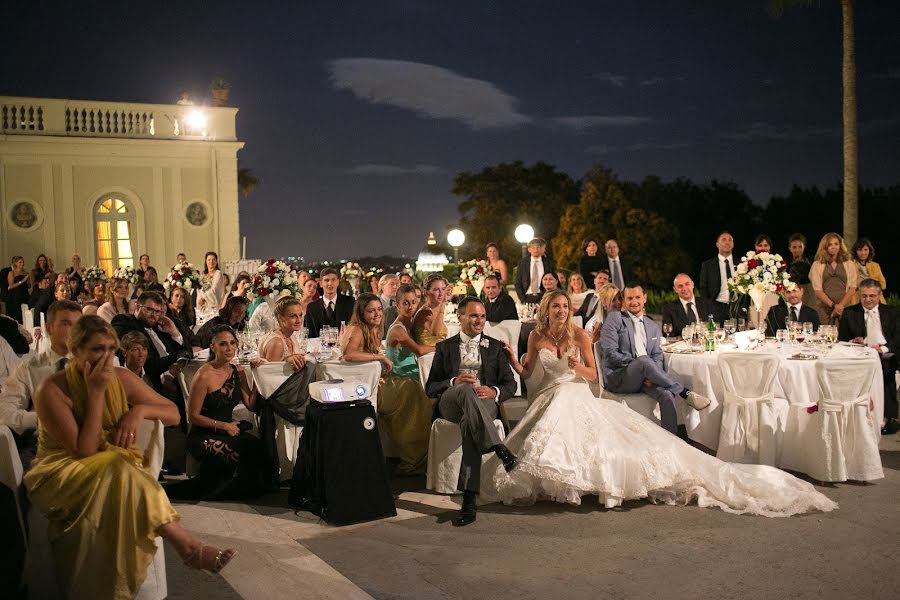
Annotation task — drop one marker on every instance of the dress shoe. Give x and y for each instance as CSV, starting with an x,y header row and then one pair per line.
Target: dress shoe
x,y
892,426
468,512
696,401
508,459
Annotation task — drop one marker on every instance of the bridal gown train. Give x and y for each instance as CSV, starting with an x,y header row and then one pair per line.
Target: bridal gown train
x,y
571,444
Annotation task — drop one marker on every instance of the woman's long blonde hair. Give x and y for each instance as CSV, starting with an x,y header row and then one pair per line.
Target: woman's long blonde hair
x,y
86,327
542,327
110,293
822,252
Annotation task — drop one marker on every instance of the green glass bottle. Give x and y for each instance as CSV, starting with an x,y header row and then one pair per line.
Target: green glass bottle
x,y
710,335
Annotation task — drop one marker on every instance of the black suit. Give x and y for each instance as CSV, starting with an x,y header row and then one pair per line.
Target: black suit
x,y
316,318
777,315
155,365
853,325
627,272
503,308
523,279
711,282
675,313
588,307
460,404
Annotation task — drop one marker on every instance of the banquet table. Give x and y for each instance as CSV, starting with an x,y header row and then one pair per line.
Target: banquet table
x,y
796,382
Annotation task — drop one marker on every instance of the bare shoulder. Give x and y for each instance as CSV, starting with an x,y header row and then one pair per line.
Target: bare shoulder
x,y
581,336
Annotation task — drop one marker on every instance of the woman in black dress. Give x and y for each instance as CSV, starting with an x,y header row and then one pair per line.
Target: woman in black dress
x,y
591,260
17,285
230,456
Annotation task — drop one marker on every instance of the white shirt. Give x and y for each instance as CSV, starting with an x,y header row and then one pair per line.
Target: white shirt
x,y
640,335
332,301
615,271
385,301
684,304
874,334
19,387
158,344
724,295
535,286
790,310
9,360
470,357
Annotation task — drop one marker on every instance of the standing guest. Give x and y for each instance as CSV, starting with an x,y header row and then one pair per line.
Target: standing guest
x,y
17,284
863,254
549,282
794,309
498,305
17,409
278,345
387,292
151,281
590,262
798,267
406,279
43,266
209,298
96,297
428,324
181,258
497,264
143,264
117,293
762,243
332,308
619,270
233,314
89,478
180,307
530,271
714,275
591,301
42,296
76,271
633,359
578,290
833,276
687,308
877,326
240,287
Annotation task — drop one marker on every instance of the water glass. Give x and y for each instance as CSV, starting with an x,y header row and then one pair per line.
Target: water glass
x,y
781,335
742,324
807,327
667,329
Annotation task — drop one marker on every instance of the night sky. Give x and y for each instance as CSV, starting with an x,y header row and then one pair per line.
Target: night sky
x,y
358,115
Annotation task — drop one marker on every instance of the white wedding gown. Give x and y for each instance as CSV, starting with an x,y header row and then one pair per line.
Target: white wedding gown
x,y
571,444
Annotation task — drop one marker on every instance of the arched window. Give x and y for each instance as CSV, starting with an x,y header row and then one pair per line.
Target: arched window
x,y
114,221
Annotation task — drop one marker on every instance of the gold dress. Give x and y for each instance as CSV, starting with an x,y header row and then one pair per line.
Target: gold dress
x,y
426,338
104,510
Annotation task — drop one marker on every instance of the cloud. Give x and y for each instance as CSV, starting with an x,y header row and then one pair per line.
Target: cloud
x,y
762,131
427,90
382,170
584,122
611,78
637,147
659,80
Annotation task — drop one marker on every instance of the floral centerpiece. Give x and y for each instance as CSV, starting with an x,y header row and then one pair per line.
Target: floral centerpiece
x,y
351,271
274,279
96,273
473,272
183,275
758,274
128,274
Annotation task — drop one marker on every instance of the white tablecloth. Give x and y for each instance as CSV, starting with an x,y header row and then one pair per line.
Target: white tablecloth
x,y
796,382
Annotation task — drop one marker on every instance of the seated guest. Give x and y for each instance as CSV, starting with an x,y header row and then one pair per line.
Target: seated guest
x,y
180,307
331,309
530,271
687,308
498,305
151,281
88,478
135,347
231,458
863,255
15,335
406,279
372,280
591,262
278,345
240,287
42,296
233,314
428,324
577,290
18,390
549,282
792,308
610,300
76,289
633,359
387,292
591,301
403,407
96,297
61,292
878,326
117,296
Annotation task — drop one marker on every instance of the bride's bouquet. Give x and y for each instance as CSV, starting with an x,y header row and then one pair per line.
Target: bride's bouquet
x,y
182,275
128,274
274,278
760,273
473,272
350,271
95,273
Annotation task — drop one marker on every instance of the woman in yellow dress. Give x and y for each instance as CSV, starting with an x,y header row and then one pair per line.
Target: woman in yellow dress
x,y
428,325
104,507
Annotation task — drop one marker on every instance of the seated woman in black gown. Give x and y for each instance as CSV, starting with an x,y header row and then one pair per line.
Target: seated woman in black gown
x,y
230,458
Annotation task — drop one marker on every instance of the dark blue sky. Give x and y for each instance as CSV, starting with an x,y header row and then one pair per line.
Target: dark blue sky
x,y
358,115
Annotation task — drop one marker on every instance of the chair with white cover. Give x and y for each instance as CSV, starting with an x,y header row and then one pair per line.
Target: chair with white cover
x,y
638,402
837,442
444,444
753,420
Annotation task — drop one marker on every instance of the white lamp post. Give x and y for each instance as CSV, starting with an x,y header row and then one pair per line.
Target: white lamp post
x,y
456,238
524,234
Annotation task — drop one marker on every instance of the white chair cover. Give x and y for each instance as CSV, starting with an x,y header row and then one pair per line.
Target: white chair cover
x,y
424,362
578,320
445,455
267,378
506,331
753,419
837,442
638,402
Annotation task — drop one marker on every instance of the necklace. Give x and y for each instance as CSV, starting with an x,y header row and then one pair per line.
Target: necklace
x,y
557,339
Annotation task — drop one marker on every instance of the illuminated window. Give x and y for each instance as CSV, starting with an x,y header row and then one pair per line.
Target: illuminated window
x,y
114,221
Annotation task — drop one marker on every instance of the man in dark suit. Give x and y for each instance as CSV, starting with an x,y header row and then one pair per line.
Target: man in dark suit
x,y
498,305
687,308
878,326
530,271
332,308
472,401
714,274
592,301
619,270
792,308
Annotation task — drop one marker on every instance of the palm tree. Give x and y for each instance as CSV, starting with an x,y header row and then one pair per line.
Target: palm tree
x,y
247,181
851,141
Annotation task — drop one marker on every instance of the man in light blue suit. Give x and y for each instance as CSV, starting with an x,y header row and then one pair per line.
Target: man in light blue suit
x,y
633,359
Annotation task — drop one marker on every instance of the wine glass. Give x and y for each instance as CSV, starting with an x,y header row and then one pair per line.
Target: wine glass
x,y
781,335
687,334
721,335
730,327
742,324
807,328
667,329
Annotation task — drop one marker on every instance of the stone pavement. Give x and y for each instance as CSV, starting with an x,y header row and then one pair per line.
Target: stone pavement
x,y
550,550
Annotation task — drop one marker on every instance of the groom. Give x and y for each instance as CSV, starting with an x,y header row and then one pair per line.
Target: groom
x,y
472,402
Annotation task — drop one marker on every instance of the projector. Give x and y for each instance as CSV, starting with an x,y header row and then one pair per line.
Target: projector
x,y
338,390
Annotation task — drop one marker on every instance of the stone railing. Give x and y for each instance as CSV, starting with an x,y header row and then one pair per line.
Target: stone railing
x,y
89,118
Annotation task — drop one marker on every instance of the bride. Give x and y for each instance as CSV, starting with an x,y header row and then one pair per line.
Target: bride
x,y
571,443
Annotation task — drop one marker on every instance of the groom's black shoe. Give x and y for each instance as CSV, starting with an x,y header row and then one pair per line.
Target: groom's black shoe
x,y
891,426
468,511
508,459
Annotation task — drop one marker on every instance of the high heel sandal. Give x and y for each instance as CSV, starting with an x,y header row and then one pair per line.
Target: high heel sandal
x,y
194,560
